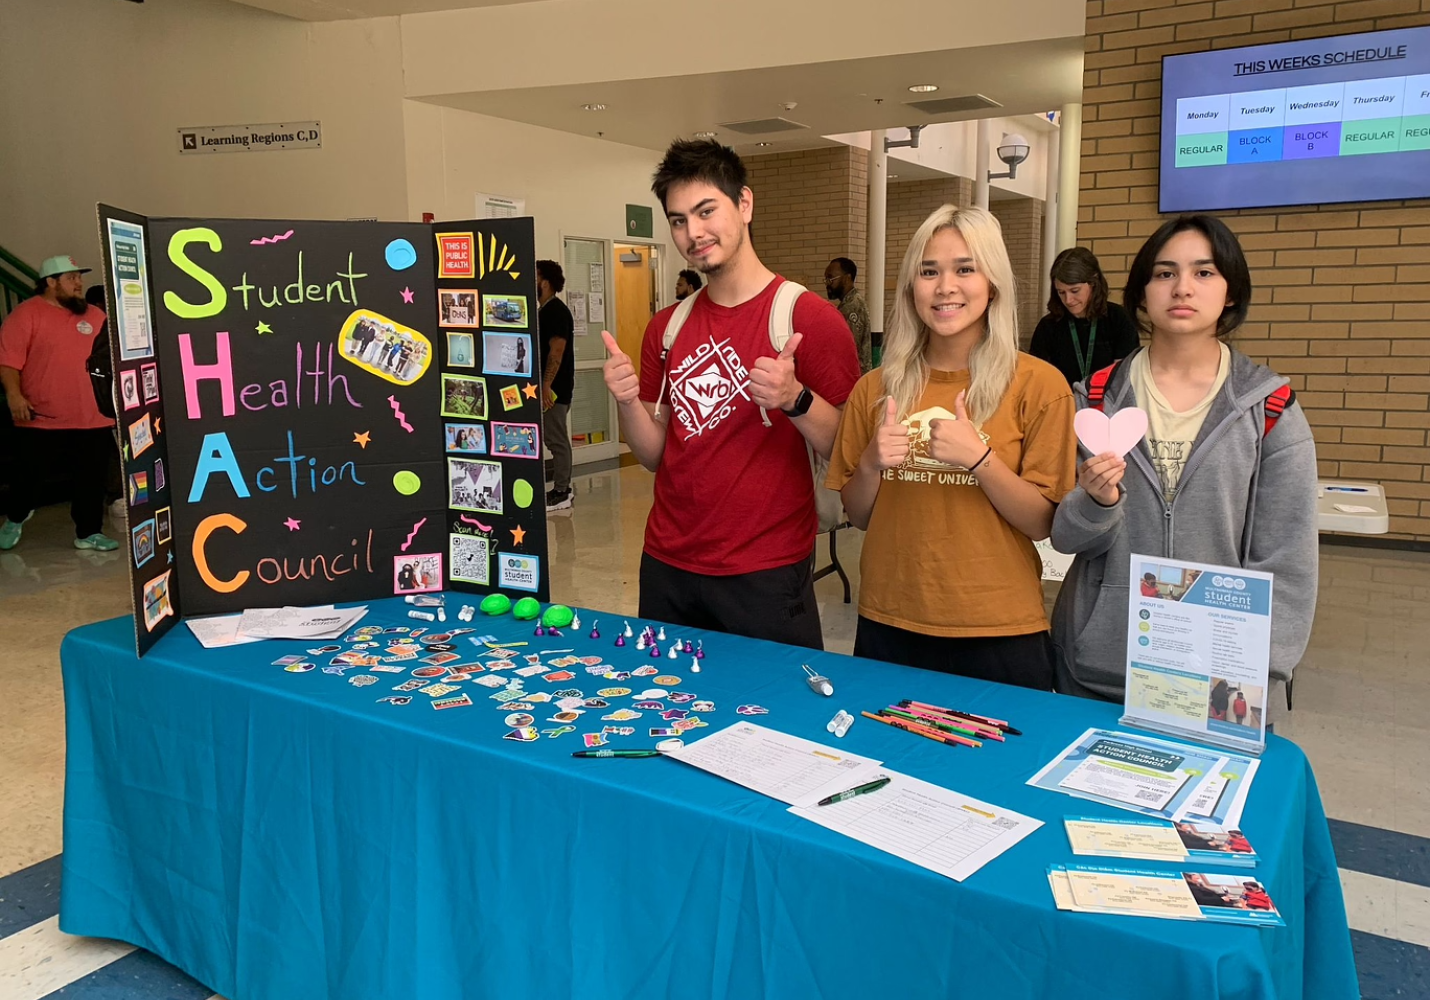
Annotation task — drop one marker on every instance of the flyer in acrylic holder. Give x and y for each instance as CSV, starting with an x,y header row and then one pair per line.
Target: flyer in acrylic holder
x,y
1198,652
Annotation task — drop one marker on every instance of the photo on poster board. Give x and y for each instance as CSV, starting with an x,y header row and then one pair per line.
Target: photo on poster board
x,y
164,524
474,485
504,312
466,439
458,307
142,538
158,601
384,347
511,397
506,354
141,437
129,388
129,284
461,350
471,559
464,396
417,574
149,378
515,440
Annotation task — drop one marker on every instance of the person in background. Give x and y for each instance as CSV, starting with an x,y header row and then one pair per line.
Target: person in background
x,y
839,278
45,344
953,455
1082,332
688,283
726,422
1239,707
1226,474
556,325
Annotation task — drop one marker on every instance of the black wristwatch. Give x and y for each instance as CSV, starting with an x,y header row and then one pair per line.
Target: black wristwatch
x,y
802,403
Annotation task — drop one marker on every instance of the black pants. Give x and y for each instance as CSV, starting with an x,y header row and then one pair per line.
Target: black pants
x,y
775,604
78,457
1024,660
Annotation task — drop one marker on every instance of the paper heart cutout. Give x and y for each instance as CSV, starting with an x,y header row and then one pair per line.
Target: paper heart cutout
x,y
1118,434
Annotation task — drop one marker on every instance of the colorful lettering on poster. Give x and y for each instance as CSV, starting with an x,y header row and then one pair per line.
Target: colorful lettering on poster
x,y
271,570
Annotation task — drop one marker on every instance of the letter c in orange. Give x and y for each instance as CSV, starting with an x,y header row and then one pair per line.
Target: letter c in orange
x,y
207,527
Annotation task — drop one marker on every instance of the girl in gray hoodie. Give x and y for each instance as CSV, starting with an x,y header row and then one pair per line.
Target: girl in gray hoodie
x,y
1226,474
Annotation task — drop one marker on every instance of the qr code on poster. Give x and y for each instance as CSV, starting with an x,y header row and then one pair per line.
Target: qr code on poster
x,y
471,558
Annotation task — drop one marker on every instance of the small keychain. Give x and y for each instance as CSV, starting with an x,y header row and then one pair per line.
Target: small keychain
x,y
818,683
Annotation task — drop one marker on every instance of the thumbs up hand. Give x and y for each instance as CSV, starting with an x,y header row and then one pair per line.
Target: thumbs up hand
x,y
773,384
956,442
889,447
619,373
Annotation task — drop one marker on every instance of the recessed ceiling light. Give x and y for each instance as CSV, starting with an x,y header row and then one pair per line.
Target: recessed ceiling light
x,y
593,107
704,135
763,144
923,88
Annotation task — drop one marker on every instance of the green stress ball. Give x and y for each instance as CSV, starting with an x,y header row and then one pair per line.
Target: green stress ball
x,y
526,609
496,604
557,616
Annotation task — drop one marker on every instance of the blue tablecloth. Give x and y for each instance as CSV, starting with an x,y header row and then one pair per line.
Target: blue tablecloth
x,y
284,835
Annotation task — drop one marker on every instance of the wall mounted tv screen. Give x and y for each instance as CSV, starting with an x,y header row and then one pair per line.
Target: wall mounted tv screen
x,y
1297,123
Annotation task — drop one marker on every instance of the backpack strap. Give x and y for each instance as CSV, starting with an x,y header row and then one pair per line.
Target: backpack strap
x,y
678,318
782,313
1097,385
1276,404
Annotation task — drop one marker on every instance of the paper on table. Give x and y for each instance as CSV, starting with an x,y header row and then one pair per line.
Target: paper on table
x,y
1223,795
1148,840
324,622
215,633
934,827
776,764
1135,895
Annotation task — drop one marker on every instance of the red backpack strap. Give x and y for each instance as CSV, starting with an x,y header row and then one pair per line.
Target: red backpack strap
x,y
1097,385
1276,404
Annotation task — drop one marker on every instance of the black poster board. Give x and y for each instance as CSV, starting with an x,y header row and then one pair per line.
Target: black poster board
x,y
350,410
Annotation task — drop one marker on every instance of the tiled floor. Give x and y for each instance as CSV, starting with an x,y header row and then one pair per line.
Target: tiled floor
x,y
1362,714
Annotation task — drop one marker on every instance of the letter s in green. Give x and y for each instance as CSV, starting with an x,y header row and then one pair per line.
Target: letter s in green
x,y
218,294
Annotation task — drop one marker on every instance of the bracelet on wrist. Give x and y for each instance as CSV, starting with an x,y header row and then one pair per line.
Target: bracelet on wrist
x,y
976,464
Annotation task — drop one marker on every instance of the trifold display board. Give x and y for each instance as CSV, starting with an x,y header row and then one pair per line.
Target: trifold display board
x,y
317,412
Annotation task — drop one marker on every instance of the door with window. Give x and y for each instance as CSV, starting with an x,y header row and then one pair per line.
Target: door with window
x,y
592,420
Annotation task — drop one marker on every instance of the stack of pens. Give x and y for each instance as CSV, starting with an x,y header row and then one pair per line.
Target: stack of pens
x,y
945,725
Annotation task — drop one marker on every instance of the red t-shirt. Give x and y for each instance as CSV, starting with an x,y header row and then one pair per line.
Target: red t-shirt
x,y
50,346
732,495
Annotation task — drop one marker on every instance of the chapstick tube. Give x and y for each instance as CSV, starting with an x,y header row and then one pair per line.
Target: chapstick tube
x,y
425,616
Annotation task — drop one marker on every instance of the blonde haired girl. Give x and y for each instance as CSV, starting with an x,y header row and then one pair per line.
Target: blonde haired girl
x,y
953,456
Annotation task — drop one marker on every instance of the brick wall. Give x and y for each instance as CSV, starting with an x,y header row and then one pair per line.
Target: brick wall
x,y
810,207
1342,293
1022,222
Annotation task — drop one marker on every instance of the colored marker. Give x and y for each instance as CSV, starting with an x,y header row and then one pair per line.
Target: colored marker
x,y
927,734
616,753
941,723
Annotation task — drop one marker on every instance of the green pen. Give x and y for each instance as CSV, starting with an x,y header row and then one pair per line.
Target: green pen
x,y
872,786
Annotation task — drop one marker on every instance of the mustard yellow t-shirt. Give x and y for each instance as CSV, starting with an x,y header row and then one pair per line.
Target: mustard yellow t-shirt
x,y
938,557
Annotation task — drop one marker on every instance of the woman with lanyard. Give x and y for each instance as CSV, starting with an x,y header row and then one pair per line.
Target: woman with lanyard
x,y
1082,332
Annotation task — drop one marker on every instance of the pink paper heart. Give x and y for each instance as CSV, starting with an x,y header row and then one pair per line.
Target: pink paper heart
x,y
1119,434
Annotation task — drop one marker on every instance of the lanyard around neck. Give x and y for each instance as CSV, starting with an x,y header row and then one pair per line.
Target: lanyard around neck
x,y
1084,363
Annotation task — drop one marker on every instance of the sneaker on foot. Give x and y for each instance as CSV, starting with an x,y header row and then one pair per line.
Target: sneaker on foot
x,y
97,541
558,500
10,532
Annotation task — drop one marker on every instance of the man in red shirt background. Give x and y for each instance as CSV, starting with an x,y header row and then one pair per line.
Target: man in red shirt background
x,y
730,538
44,348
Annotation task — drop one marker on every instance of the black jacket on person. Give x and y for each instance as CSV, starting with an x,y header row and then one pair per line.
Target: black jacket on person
x,y
1116,338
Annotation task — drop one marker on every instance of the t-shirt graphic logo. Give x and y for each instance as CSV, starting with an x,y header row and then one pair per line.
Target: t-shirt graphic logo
x,y
919,435
706,386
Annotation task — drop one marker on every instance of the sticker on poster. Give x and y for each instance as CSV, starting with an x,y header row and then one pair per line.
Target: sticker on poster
x,y
142,539
458,307
466,439
455,256
474,485
384,347
138,488
129,389
517,571
471,558
461,350
159,481
506,354
163,520
417,574
141,436
149,380
515,440
464,396
511,397
504,312
157,604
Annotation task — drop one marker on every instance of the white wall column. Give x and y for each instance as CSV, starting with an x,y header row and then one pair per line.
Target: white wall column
x,y
983,147
1069,173
878,229
1050,220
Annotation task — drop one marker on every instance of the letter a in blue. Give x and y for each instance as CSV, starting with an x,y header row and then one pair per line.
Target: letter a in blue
x,y
216,455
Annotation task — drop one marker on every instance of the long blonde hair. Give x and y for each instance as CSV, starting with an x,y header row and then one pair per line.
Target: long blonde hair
x,y
994,359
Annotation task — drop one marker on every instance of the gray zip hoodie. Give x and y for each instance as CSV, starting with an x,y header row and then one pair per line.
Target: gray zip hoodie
x,y
1243,500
